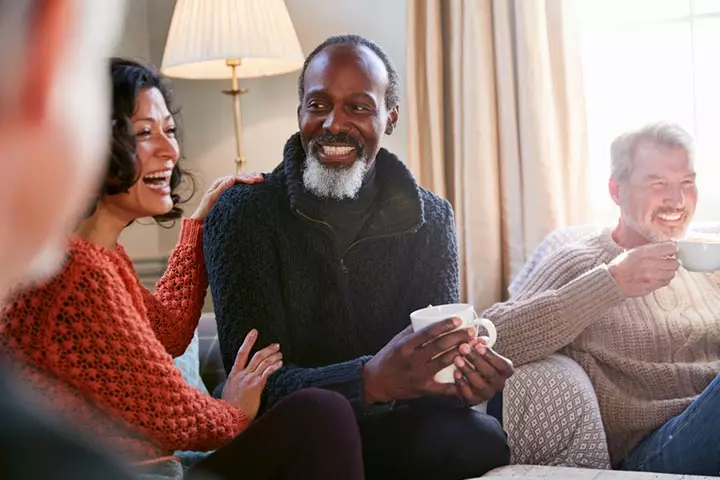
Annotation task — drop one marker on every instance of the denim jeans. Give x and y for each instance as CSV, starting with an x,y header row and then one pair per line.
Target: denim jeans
x,y
686,444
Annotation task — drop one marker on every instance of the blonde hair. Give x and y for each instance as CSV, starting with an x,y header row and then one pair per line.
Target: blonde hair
x,y
661,134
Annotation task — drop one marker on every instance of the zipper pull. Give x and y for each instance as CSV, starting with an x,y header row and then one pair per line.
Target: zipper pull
x,y
342,266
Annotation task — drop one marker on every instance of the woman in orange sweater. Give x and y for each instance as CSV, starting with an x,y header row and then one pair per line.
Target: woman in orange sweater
x,y
110,342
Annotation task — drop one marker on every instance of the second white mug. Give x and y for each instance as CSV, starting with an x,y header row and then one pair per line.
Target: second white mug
x,y
464,311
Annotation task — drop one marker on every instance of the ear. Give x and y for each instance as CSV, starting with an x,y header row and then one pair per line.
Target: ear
x,y
392,120
49,33
614,188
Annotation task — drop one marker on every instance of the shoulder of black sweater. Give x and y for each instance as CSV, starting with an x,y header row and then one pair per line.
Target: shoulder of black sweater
x,y
437,210
246,201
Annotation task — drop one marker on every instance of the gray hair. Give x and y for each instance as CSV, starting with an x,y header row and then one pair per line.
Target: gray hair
x,y
661,134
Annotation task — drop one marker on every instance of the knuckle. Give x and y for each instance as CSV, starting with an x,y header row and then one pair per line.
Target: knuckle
x,y
405,351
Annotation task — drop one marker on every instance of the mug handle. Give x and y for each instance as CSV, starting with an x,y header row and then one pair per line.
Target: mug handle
x,y
487,325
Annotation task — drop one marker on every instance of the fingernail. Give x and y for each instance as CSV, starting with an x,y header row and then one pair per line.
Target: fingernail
x,y
276,346
253,332
457,322
458,375
472,332
465,349
481,349
459,362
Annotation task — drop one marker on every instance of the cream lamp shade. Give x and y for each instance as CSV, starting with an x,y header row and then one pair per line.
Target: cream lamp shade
x,y
215,39
204,34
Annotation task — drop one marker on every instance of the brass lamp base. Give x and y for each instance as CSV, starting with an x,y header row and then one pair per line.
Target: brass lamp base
x,y
235,92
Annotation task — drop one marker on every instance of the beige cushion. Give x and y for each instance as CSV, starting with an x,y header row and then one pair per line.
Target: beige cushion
x,y
541,472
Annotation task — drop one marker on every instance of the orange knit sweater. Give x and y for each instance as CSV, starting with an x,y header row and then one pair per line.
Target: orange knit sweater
x,y
110,342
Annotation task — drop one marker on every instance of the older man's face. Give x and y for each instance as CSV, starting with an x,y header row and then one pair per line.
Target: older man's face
x,y
342,118
54,135
658,199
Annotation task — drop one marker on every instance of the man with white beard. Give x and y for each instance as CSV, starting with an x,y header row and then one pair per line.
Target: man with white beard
x,y
330,255
54,126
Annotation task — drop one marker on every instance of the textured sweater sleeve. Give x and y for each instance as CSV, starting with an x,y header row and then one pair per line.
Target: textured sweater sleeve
x,y
244,272
566,294
344,378
436,280
175,307
101,345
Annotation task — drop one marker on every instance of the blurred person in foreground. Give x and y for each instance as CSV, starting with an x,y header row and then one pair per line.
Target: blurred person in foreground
x,y
53,128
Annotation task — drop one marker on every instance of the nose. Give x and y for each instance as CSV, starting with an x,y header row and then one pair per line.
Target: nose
x,y
675,197
166,148
336,122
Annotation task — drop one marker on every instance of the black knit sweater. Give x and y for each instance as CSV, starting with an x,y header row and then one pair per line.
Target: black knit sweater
x,y
275,267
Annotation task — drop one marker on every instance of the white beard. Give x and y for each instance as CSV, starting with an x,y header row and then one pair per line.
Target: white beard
x,y
334,182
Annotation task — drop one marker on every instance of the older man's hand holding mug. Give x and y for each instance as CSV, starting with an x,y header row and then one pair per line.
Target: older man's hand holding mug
x,y
439,353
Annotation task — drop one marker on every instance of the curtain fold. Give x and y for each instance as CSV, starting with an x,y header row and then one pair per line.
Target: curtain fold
x,y
497,126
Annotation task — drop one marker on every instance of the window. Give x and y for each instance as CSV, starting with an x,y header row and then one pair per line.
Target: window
x,y
648,60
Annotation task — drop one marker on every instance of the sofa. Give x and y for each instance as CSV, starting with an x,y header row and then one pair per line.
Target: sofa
x,y
550,409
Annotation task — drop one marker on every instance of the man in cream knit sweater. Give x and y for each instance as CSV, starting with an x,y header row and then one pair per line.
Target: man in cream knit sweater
x,y
645,330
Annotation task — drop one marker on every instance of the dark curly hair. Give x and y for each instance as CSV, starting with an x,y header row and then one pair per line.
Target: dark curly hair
x,y
129,78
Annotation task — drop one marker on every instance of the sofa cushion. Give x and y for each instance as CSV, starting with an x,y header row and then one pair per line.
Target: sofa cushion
x,y
211,364
529,471
189,364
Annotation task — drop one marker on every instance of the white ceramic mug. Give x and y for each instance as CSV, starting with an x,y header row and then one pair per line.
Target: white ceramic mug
x,y
464,311
699,254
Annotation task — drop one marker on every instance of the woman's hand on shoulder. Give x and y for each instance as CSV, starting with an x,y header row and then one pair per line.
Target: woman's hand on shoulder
x,y
218,187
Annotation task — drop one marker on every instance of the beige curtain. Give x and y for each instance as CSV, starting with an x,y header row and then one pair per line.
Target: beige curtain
x,y
497,126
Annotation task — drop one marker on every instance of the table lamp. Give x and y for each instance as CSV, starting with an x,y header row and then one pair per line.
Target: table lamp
x,y
218,39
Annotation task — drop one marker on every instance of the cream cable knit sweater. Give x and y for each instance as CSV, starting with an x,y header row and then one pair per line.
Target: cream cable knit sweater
x,y
647,357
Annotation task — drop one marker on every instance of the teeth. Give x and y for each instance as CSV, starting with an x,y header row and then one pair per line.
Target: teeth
x,y
158,185
158,175
671,218
337,151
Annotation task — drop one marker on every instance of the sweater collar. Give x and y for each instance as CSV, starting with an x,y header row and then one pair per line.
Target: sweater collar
x,y
398,205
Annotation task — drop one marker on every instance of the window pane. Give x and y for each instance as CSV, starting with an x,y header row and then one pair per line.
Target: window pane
x,y
633,76
700,7
707,91
614,12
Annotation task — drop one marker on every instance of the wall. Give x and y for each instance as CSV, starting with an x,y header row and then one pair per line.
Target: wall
x,y
269,108
142,239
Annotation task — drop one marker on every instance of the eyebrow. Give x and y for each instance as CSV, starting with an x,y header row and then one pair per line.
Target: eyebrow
x,y
364,96
323,91
659,177
148,119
